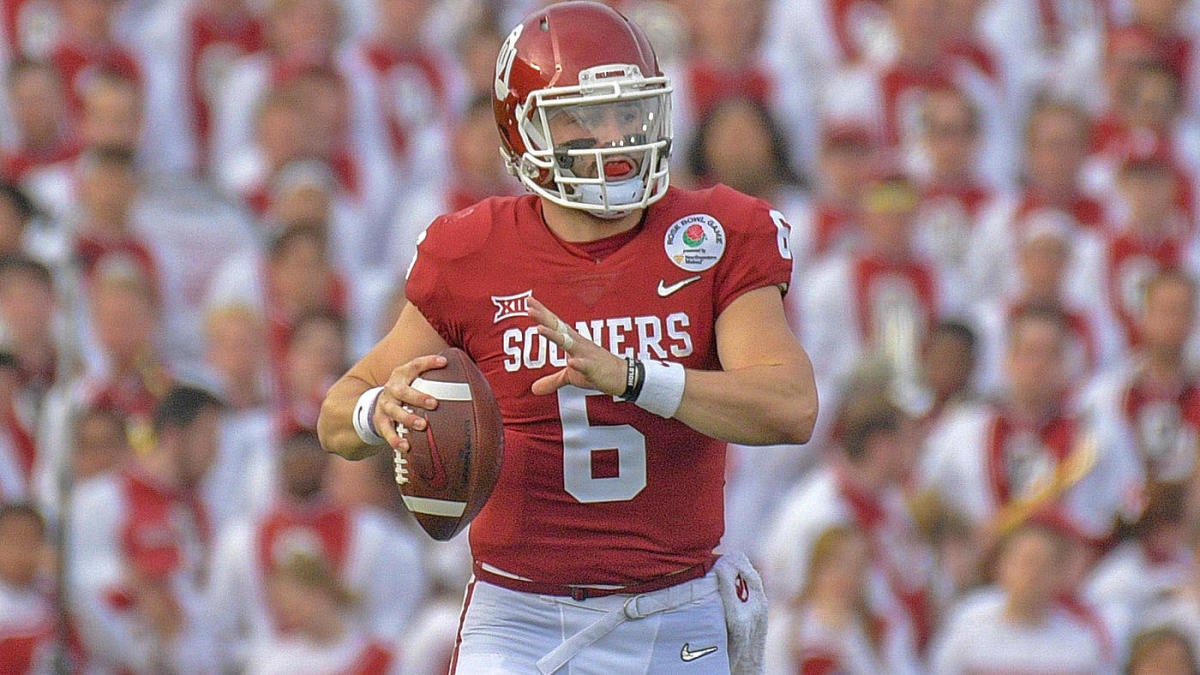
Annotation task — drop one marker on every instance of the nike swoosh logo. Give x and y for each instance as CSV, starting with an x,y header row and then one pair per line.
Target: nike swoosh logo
x,y
688,655
437,480
664,290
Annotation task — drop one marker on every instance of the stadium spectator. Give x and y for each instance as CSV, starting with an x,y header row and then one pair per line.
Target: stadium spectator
x,y
112,121
848,156
293,277
100,442
888,96
878,300
375,561
242,481
412,83
42,132
28,304
1025,451
314,357
1019,622
952,194
816,37
947,381
740,144
28,629
1162,651
105,237
195,46
299,33
1154,398
726,60
831,628
1045,259
1130,580
1152,233
861,487
1148,122
1163,23
316,632
1056,138
139,541
87,43
126,372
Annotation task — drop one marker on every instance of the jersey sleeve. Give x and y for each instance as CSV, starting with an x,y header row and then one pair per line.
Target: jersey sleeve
x,y
423,285
450,253
757,252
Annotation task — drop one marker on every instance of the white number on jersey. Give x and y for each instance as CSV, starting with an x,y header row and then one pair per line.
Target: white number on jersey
x,y
581,439
783,238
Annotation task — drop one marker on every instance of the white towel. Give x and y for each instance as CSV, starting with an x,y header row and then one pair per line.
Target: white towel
x,y
745,604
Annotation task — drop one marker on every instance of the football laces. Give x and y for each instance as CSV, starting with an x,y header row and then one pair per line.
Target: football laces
x,y
401,463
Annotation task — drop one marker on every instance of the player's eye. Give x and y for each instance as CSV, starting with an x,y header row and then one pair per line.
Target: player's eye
x,y
629,114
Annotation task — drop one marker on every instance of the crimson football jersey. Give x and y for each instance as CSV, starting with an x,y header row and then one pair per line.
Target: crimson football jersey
x,y
595,490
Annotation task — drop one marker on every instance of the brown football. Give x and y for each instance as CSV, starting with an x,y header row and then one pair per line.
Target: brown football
x,y
452,465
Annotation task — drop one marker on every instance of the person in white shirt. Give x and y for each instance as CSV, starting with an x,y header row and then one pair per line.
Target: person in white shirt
x,y
998,462
859,487
371,557
317,633
1019,626
831,627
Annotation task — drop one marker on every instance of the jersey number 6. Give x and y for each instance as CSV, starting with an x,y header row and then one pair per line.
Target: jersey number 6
x,y
581,439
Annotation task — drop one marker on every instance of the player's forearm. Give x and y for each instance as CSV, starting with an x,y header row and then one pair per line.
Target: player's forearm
x,y
756,405
334,425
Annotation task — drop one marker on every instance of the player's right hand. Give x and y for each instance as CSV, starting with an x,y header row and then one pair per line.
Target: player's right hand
x,y
395,405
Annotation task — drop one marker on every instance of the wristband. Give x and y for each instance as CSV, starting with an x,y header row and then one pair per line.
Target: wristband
x,y
363,412
662,387
635,377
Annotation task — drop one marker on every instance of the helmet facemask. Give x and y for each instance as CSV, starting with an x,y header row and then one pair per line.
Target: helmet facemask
x,y
601,146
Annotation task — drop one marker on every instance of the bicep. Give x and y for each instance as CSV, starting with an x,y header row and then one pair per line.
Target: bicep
x,y
410,337
753,331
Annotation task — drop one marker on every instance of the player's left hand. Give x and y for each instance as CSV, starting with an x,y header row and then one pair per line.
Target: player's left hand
x,y
589,365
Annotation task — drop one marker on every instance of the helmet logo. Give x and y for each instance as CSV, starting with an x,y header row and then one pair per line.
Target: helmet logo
x,y
695,243
504,61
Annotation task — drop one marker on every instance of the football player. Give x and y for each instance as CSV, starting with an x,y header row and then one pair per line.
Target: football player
x,y
629,330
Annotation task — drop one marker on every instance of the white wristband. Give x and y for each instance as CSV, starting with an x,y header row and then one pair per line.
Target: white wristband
x,y
662,390
362,417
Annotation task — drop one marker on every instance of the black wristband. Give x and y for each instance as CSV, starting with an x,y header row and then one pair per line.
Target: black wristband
x,y
635,377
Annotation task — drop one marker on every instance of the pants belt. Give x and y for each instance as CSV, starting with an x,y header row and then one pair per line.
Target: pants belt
x,y
582,592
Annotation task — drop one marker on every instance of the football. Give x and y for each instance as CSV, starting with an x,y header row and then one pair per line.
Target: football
x,y
452,464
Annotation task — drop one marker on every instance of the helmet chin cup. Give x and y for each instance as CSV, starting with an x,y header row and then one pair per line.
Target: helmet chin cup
x,y
628,191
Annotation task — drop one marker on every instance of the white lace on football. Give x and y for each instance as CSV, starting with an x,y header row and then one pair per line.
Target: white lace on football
x,y
401,463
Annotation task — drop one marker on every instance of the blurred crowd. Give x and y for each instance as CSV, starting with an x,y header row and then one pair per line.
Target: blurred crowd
x,y
207,208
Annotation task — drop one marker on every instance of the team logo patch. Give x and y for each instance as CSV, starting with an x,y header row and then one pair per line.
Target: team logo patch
x,y
695,243
742,588
508,306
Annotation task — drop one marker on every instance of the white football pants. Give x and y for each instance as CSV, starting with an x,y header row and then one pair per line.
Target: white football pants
x,y
680,629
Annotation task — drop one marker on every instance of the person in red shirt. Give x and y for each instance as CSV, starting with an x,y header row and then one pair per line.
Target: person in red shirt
x,y
606,493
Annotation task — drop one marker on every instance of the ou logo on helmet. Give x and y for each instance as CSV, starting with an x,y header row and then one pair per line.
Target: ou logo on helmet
x,y
504,61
